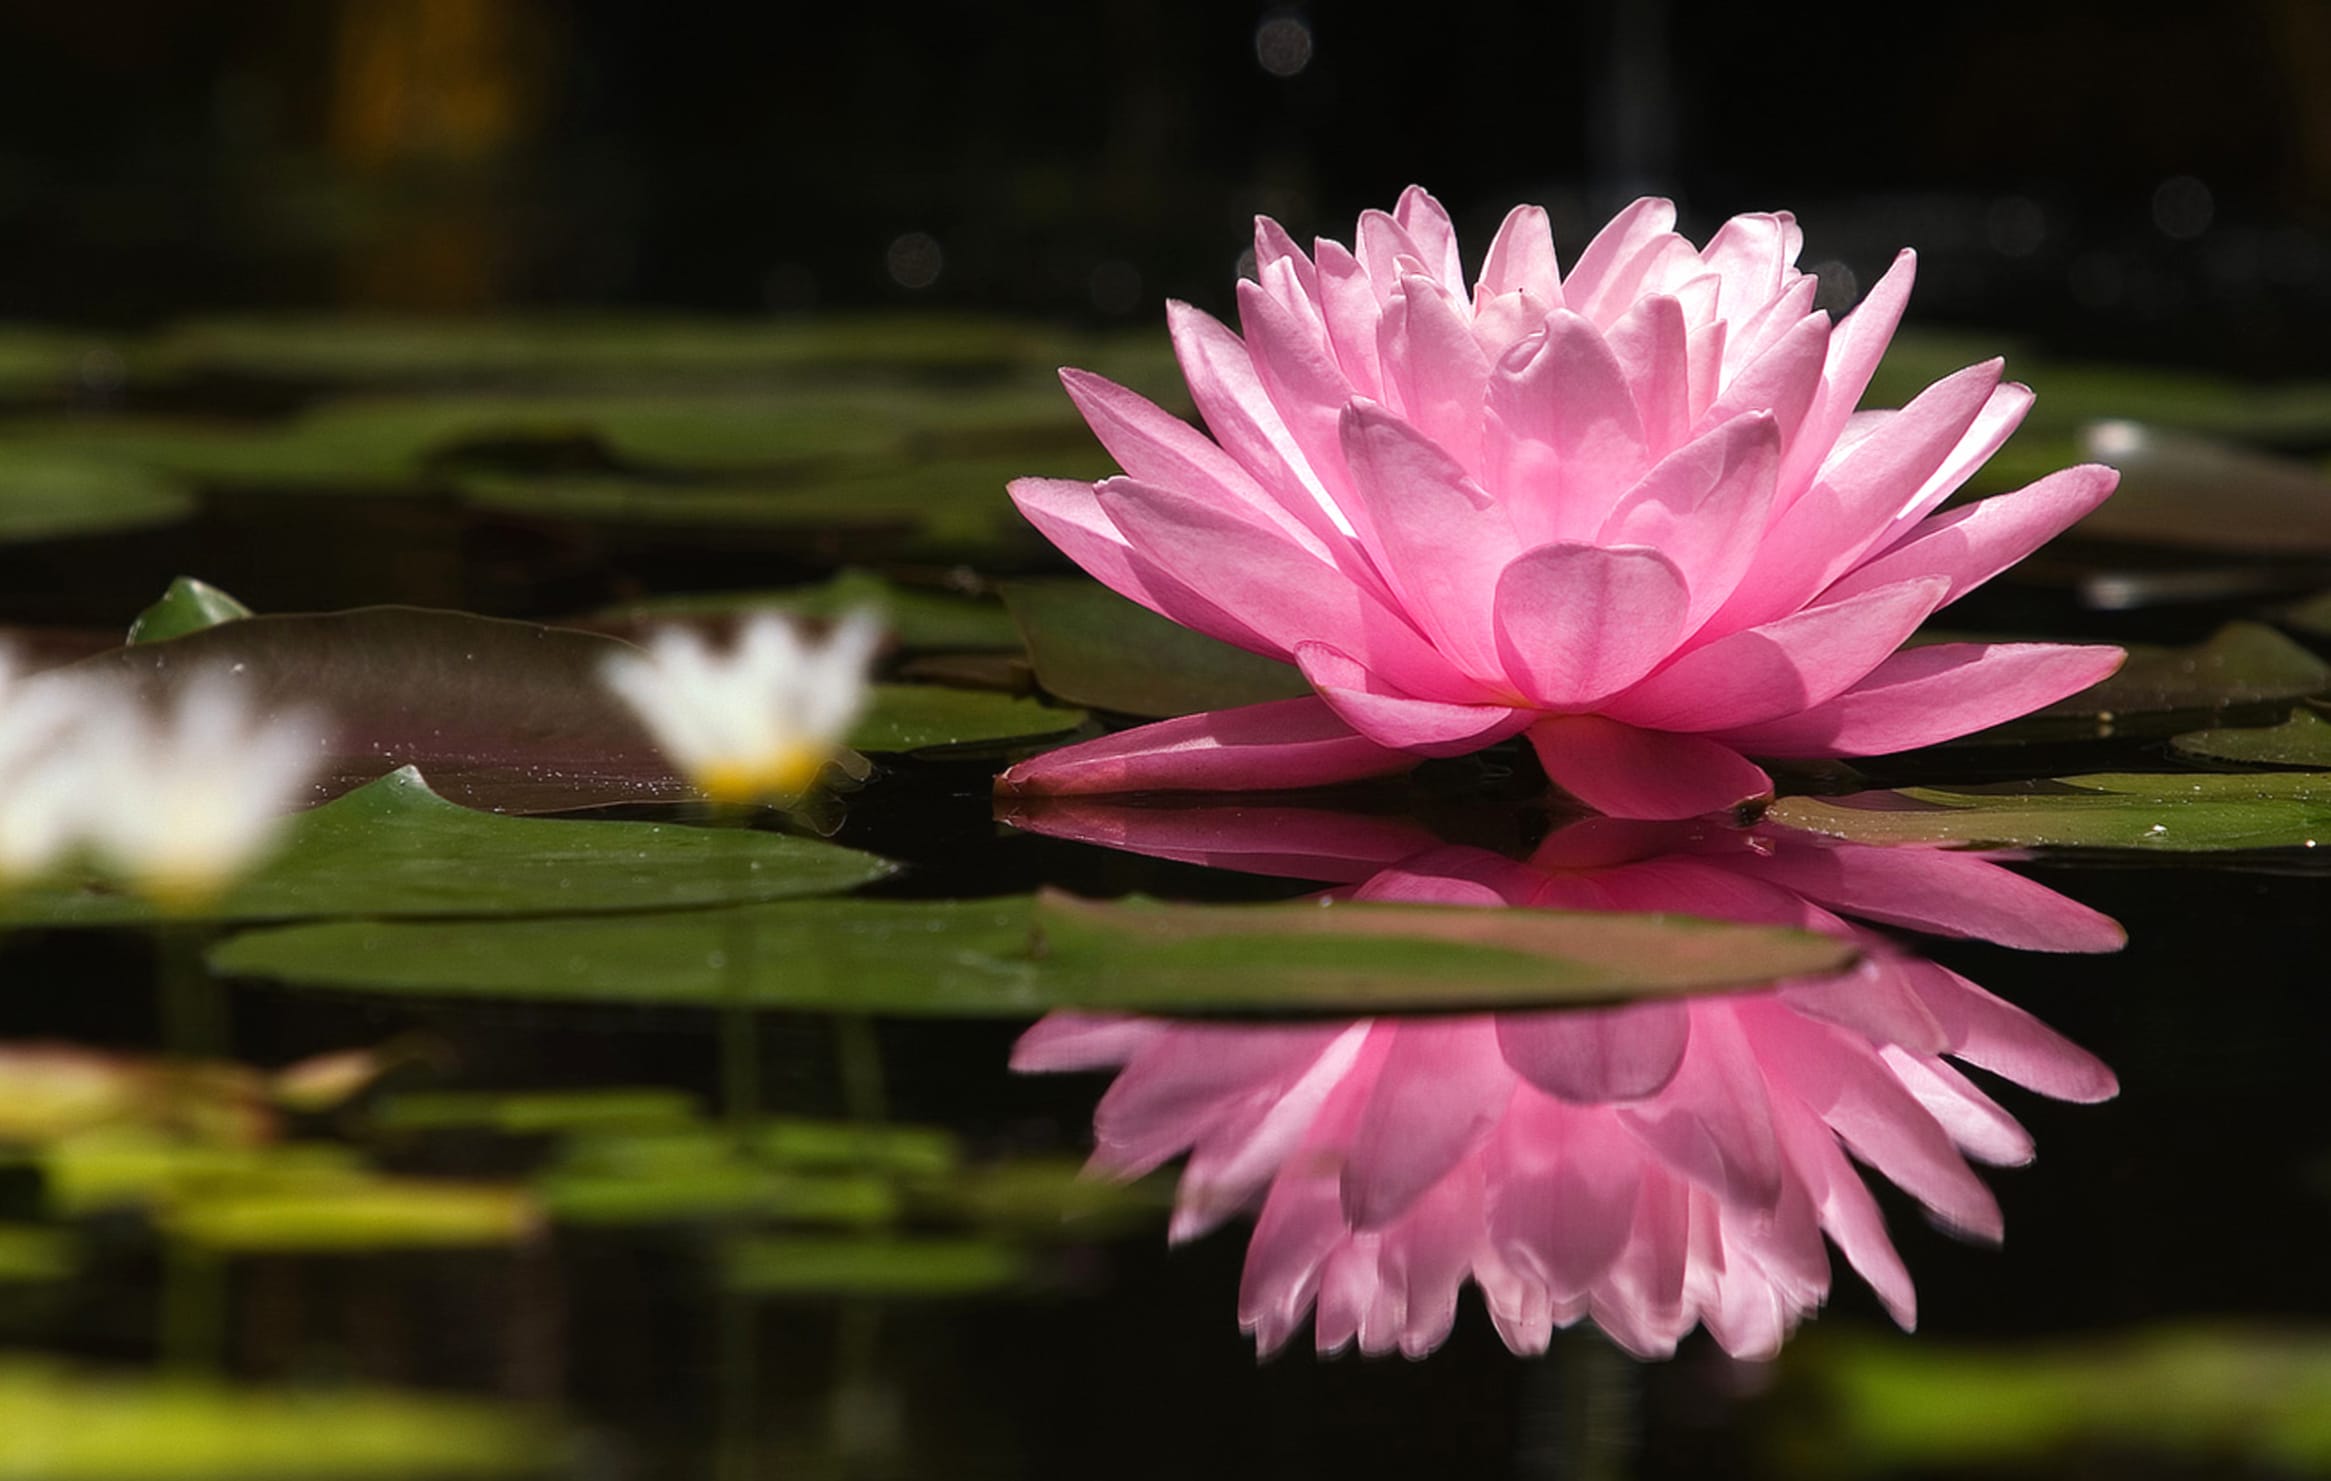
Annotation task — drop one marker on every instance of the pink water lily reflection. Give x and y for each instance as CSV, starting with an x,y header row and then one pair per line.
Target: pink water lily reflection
x,y
1629,509
1653,1168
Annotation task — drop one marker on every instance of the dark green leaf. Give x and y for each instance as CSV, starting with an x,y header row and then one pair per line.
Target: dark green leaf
x,y
2176,813
1092,647
800,1265
2302,740
188,606
395,848
2192,492
1017,957
47,494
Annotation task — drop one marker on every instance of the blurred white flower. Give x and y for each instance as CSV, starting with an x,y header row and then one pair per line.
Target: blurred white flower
x,y
42,795
756,723
182,800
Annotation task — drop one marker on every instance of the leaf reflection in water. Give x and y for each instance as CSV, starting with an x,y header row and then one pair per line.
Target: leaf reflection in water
x,y
1653,1167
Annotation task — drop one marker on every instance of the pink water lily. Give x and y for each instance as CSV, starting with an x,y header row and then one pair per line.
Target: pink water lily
x,y
1650,1168
1630,510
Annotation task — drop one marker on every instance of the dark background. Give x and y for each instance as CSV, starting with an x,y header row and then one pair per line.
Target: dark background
x,y
2147,180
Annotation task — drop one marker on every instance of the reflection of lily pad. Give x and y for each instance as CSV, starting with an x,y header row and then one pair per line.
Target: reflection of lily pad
x,y
1093,647
395,848
44,495
2302,740
926,717
60,1424
1018,957
800,1265
2159,691
2177,813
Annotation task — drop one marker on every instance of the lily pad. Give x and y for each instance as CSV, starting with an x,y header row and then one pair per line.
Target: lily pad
x,y
32,1254
2174,813
47,494
62,1424
2161,691
926,717
1020,956
1093,647
188,606
2302,740
925,1266
395,848
2195,493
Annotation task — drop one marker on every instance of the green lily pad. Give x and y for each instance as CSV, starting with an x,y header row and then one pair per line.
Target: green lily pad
x,y
916,620
539,1113
2161,691
2175,813
2312,616
395,848
926,717
1021,956
62,1424
1093,647
2302,740
188,606
45,494
926,1266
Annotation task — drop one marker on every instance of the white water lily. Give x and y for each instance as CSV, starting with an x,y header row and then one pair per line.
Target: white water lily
x,y
756,723
184,799
42,797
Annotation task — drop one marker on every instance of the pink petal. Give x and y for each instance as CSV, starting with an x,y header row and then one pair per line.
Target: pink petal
x,y
1268,584
1239,411
1389,717
1976,1123
1780,381
1562,439
1946,891
1855,497
1351,309
1712,1122
1444,541
1649,342
1307,387
1521,260
1780,668
1434,366
1606,275
1874,1000
1848,1212
1630,773
1993,425
1748,252
1286,743
1562,1184
1273,245
1427,225
1995,1035
1167,1097
1855,348
1440,1090
1597,1055
1157,447
1970,545
1082,1041
1289,842
1705,507
1578,623
1924,695
1842,1080
1382,243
